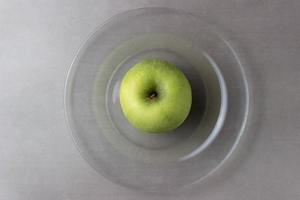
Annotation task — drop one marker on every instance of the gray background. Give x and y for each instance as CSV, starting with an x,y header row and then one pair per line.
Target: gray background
x,y
38,40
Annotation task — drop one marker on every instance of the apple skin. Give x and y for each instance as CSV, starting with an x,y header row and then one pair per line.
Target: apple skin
x,y
155,96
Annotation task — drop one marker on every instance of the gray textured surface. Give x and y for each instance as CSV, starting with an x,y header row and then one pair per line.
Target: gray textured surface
x,y
38,40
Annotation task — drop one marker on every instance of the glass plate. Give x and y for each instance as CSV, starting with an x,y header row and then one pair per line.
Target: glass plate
x,y
153,162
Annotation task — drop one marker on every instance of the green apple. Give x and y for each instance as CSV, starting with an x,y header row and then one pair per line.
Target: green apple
x,y
155,96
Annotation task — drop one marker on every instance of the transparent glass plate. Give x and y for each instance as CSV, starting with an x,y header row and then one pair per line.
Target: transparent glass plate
x,y
156,162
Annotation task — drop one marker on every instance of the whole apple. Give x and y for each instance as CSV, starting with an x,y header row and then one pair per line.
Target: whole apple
x,y
155,96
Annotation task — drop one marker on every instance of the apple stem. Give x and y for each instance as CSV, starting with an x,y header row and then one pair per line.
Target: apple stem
x,y
153,95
